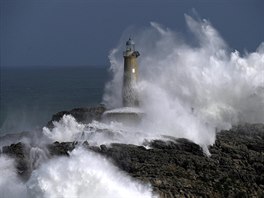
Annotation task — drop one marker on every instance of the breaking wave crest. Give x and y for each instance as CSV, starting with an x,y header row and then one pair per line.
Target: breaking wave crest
x,y
96,133
83,174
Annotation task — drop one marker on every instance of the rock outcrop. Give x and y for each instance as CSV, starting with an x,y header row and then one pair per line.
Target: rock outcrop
x,y
180,168
234,169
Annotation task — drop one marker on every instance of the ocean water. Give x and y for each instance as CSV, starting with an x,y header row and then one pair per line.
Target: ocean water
x,y
30,95
185,91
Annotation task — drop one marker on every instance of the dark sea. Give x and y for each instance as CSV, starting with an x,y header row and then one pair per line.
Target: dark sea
x,y
31,95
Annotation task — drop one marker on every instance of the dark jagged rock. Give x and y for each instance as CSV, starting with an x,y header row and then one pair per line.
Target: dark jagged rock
x,y
84,115
181,144
249,129
21,155
62,148
178,168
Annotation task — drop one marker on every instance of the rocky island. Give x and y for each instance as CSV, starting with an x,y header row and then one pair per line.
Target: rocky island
x,y
174,168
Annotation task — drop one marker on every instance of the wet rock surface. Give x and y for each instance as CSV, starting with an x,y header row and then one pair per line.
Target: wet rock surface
x,y
234,169
21,155
179,168
61,148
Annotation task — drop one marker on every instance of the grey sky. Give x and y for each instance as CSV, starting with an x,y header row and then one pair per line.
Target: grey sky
x,y
81,32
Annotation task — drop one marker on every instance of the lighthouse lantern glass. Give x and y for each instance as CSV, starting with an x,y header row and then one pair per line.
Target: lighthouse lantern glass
x,y
130,47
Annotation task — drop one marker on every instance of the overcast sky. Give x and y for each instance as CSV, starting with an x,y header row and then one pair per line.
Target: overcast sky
x,y
82,32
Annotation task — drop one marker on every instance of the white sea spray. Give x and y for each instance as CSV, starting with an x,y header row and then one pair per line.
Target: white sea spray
x,y
10,184
192,89
84,174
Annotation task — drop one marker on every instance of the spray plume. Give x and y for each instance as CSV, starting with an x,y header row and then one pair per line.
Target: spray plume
x,y
192,90
10,184
84,174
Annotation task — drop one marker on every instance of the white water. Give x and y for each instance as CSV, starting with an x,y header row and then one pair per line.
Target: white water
x,y
10,185
191,89
96,133
84,174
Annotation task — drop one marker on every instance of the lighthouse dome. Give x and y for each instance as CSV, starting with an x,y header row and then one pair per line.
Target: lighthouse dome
x,y
130,42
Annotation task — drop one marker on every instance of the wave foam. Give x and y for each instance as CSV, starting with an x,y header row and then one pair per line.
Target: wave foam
x,y
84,174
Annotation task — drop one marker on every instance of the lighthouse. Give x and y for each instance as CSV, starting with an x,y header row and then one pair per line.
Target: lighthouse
x,y
130,98
130,113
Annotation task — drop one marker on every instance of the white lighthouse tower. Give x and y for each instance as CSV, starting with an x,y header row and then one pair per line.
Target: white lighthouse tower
x,y
130,78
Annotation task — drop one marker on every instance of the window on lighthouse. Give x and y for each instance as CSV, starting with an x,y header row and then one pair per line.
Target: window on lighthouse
x,y
133,70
